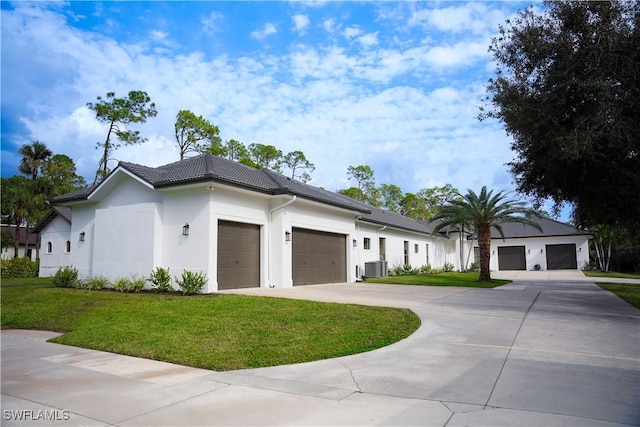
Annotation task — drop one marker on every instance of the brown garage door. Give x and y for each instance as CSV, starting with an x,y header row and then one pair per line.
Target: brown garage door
x,y
511,258
318,257
560,257
238,255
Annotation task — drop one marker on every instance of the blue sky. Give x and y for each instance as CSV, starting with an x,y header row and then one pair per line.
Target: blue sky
x,y
392,85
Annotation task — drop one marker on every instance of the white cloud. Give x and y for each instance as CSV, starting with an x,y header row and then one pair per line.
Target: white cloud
x,y
210,22
415,131
329,25
352,32
300,23
368,40
266,31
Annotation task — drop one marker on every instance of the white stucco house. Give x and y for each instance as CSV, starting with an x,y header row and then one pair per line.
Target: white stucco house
x,y
27,239
242,227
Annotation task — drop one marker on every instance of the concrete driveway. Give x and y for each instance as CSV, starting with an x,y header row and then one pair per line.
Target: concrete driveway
x,y
530,353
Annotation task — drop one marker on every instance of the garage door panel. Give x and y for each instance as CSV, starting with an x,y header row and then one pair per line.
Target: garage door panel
x,y
511,258
561,257
238,255
318,257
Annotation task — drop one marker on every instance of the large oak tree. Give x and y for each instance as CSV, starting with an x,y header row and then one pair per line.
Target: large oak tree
x,y
567,88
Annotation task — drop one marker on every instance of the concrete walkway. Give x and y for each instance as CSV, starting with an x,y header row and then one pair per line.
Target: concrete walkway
x,y
553,353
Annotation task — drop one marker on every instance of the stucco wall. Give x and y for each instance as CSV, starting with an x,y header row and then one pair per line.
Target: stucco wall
x,y
535,250
57,232
430,250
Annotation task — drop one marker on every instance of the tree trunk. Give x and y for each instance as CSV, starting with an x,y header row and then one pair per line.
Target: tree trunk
x,y
16,241
484,244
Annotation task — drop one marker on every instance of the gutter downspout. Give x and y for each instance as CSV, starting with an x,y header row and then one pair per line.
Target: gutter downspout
x,y
271,211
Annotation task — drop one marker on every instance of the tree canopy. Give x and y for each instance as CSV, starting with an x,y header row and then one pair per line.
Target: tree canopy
x,y
196,134
483,212
567,90
119,113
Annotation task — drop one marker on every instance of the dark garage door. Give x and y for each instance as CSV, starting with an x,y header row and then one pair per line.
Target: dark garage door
x,y
511,258
238,255
318,257
560,257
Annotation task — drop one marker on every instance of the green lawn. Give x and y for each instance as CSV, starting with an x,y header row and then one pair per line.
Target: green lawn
x,y
442,279
627,291
219,332
596,273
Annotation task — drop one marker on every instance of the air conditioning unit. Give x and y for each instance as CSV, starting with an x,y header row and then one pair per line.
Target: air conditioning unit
x,y
376,269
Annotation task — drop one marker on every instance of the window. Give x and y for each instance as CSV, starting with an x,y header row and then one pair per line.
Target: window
x,y
476,254
367,243
67,247
49,247
415,248
382,246
29,253
427,252
406,252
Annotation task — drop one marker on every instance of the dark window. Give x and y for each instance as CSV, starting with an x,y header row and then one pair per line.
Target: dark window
x,y
406,252
49,247
367,243
67,247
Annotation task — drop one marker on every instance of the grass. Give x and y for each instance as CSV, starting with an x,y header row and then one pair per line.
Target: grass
x,y
597,273
469,280
627,291
219,332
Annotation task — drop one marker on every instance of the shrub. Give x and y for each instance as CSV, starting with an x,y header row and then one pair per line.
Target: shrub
x,y
66,277
447,267
161,280
191,283
404,270
475,267
136,284
425,269
95,283
537,267
18,268
122,284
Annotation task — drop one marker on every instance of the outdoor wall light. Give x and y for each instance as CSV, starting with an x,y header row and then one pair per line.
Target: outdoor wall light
x,y
81,238
287,236
528,251
579,249
494,252
355,243
541,251
185,229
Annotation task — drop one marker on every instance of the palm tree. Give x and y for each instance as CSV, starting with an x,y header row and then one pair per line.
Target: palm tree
x,y
34,158
484,211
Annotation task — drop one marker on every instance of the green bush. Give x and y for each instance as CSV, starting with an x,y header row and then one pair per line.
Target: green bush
x,y
161,280
191,283
66,277
425,269
129,284
95,283
136,284
18,268
447,267
404,270
122,284
475,267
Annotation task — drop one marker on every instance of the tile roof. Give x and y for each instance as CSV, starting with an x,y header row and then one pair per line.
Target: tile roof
x,y
62,211
549,227
392,219
25,236
209,168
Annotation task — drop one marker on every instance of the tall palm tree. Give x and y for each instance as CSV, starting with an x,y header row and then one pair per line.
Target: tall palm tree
x,y
484,211
34,158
